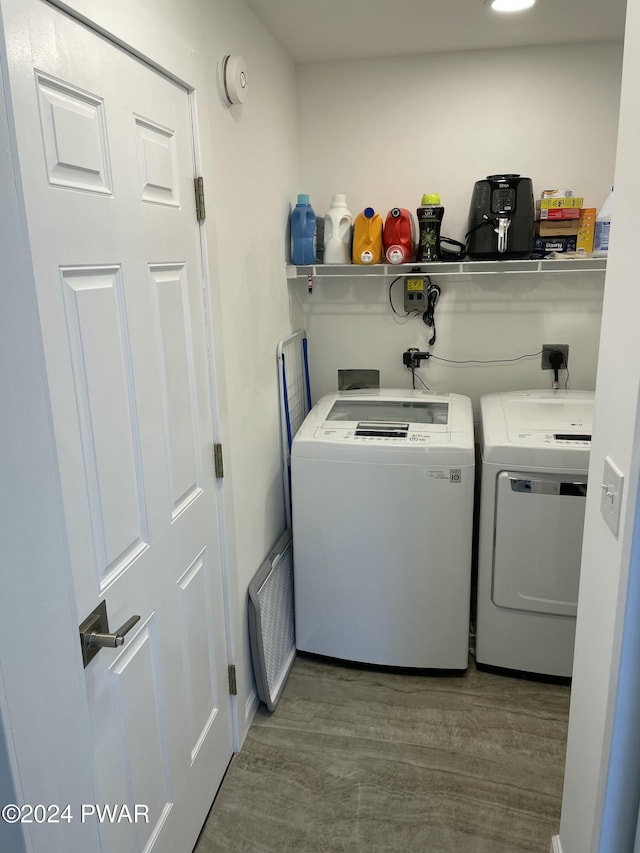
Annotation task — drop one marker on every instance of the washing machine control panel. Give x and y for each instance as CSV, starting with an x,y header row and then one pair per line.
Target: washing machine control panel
x,y
409,434
409,422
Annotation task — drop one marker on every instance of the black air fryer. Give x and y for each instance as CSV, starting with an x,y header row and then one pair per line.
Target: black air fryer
x,y
501,219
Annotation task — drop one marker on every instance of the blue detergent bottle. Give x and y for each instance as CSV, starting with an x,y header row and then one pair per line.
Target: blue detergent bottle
x,y
303,232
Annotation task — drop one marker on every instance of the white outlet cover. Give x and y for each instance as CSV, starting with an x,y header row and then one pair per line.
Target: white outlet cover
x,y
611,497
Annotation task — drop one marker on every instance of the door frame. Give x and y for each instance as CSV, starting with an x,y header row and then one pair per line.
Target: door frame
x,y
43,709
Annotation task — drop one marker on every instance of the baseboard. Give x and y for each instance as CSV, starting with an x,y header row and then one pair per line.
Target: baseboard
x,y
556,846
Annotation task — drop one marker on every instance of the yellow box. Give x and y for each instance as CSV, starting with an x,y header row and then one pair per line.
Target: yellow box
x,y
551,203
586,229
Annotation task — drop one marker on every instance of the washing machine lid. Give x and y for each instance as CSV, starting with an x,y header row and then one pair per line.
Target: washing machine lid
x,y
392,418
409,421
542,428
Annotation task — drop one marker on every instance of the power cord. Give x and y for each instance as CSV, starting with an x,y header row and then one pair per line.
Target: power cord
x,y
485,361
397,313
462,248
412,357
429,316
415,376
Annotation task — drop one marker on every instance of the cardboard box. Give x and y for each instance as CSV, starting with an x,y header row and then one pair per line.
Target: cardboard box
x,y
554,203
559,213
557,227
586,229
554,244
556,194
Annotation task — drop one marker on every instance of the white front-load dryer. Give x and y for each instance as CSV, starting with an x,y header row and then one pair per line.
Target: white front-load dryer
x,y
382,489
535,458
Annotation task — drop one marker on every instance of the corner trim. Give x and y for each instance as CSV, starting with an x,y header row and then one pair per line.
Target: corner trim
x,y
250,707
556,846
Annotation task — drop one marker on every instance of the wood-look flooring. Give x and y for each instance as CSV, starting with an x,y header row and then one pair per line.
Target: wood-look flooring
x,y
356,759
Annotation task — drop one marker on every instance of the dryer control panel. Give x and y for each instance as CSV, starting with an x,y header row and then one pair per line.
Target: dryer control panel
x,y
557,439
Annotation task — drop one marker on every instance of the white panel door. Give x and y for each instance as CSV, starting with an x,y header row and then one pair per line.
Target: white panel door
x,y
107,165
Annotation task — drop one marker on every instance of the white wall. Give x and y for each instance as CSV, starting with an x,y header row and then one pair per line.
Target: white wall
x,y
256,162
249,161
385,131
606,558
350,324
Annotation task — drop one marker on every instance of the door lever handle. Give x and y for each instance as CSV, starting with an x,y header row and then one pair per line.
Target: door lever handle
x,y
111,641
95,634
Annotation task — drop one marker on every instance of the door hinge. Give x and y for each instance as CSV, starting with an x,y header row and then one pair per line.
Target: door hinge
x,y
198,184
233,686
217,461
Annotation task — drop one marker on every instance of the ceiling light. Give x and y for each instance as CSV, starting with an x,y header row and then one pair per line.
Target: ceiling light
x,y
511,5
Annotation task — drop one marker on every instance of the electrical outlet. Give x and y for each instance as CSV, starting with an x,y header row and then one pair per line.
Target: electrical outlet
x,y
547,349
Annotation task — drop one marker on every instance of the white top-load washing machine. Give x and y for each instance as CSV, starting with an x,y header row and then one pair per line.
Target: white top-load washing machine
x,y
535,457
382,488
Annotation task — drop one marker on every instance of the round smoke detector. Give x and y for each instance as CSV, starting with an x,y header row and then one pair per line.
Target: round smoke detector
x,y
234,79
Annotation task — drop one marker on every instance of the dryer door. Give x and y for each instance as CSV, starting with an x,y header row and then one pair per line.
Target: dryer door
x,y
538,541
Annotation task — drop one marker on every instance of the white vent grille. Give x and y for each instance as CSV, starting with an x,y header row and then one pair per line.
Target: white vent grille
x,y
271,622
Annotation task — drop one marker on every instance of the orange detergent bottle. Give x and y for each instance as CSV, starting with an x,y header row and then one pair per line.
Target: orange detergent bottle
x,y
367,237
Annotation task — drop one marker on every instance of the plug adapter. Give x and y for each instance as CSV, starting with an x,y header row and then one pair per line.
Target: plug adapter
x,y
556,359
412,357
547,349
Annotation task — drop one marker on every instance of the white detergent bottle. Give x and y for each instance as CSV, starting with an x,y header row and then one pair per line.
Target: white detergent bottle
x,y
338,228
603,226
